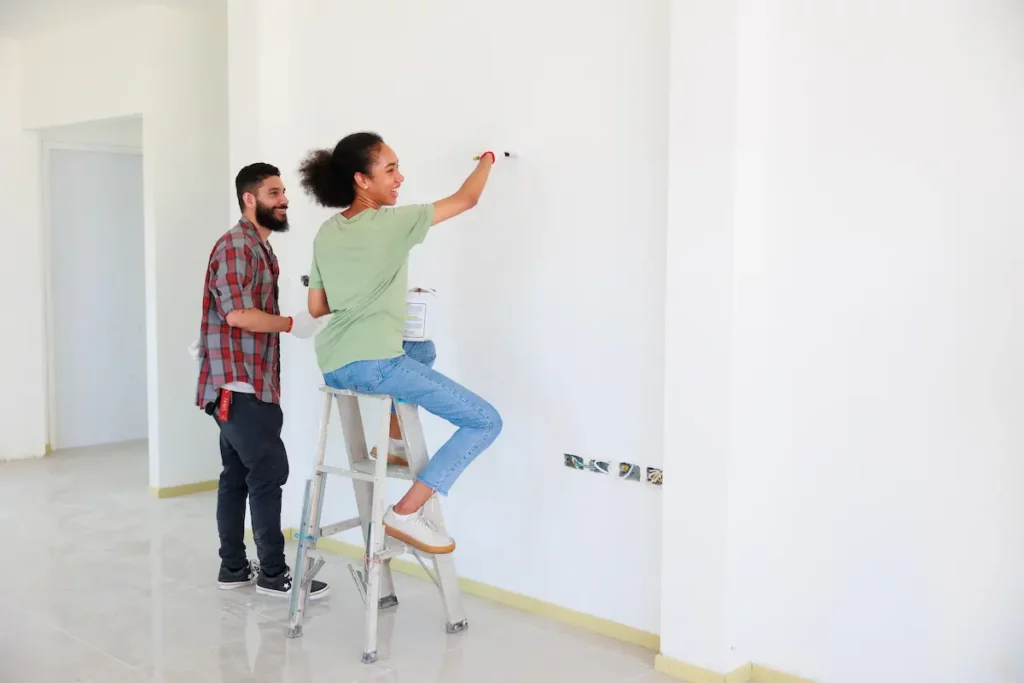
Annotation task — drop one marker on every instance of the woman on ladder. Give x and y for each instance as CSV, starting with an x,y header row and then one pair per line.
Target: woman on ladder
x,y
359,273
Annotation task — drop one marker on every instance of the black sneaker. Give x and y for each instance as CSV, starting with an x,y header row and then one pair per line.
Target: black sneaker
x,y
280,586
229,579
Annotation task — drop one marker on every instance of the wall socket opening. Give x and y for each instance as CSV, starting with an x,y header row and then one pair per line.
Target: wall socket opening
x,y
625,471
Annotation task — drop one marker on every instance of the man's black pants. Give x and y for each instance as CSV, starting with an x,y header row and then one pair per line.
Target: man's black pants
x,y
255,465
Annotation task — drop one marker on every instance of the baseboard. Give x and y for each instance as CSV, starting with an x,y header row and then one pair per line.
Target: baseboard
x,y
748,673
686,672
695,674
183,490
744,674
606,627
762,674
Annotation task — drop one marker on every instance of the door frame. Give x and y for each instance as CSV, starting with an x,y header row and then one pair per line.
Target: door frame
x,y
46,148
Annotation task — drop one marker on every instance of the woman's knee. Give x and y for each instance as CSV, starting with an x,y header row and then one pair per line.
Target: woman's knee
x,y
491,419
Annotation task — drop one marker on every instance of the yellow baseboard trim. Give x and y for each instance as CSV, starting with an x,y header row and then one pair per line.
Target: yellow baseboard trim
x,y
183,490
748,673
605,627
762,674
744,674
695,674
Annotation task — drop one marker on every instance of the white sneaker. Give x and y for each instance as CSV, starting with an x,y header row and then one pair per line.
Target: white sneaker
x,y
417,531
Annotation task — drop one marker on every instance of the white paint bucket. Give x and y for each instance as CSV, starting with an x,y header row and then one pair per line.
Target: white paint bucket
x,y
420,305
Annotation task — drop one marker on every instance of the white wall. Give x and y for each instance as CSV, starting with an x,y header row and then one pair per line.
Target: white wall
x,y
97,268
56,78
169,66
874,524
67,79
186,169
22,364
878,436
568,342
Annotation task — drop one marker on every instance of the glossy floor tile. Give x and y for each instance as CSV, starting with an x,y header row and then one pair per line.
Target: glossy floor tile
x,y
105,584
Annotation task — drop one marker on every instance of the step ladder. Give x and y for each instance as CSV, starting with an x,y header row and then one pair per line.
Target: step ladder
x,y
369,479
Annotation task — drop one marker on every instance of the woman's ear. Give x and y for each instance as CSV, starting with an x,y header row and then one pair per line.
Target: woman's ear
x,y
361,181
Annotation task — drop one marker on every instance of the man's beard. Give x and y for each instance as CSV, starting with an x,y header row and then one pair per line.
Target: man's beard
x,y
265,217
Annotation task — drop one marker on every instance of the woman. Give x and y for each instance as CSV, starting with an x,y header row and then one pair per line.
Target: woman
x,y
360,261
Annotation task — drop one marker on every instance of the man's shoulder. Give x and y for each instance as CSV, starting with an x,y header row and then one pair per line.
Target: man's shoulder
x,y
235,239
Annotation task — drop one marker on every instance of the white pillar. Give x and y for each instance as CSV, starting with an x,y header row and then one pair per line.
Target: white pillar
x,y
261,99
185,138
699,281
262,105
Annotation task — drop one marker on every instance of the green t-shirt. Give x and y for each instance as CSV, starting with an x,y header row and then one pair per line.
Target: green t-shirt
x,y
362,265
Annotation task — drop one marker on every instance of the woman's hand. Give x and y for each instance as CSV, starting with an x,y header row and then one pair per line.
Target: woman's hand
x,y
469,194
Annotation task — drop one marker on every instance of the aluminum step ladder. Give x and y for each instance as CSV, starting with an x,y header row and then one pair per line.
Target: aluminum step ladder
x,y
369,479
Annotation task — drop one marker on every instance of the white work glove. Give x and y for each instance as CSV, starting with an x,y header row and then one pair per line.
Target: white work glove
x,y
304,325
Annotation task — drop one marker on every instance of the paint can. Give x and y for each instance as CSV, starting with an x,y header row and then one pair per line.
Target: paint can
x,y
420,306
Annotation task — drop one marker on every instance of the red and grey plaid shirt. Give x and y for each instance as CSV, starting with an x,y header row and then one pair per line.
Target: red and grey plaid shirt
x,y
242,273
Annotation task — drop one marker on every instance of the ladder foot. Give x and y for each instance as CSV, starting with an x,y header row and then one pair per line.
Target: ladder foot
x,y
388,601
369,657
457,626
295,631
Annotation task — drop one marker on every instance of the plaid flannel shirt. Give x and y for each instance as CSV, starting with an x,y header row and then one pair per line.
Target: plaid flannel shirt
x,y
242,273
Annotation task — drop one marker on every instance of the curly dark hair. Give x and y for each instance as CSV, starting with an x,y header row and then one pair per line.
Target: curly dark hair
x,y
329,177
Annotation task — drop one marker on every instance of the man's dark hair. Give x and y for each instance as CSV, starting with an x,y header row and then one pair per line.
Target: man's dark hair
x,y
251,177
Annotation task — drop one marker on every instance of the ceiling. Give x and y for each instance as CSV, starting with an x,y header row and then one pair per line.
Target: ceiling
x,y
22,17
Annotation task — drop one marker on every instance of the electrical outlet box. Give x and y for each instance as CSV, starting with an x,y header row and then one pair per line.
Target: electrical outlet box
x,y
624,471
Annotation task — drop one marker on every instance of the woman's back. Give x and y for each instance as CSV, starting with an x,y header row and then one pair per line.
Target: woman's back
x,y
361,263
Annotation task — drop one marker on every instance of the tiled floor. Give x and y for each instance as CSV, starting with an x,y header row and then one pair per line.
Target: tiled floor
x,y
101,583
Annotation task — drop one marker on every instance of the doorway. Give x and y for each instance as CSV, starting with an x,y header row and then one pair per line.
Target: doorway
x,y
96,295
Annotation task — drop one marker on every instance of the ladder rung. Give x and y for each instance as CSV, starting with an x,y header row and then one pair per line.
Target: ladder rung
x,y
367,466
352,474
392,548
345,525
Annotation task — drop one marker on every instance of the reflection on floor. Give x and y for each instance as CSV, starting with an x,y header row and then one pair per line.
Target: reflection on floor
x,y
104,584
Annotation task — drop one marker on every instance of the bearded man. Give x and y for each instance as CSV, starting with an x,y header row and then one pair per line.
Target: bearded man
x,y
239,353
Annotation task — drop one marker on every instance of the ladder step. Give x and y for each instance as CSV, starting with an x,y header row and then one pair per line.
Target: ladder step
x,y
394,549
365,467
332,529
351,474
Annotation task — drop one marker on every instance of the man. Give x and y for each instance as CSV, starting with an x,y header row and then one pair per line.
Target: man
x,y
240,382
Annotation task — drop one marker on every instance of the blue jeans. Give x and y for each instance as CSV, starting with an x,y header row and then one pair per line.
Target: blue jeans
x,y
411,378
